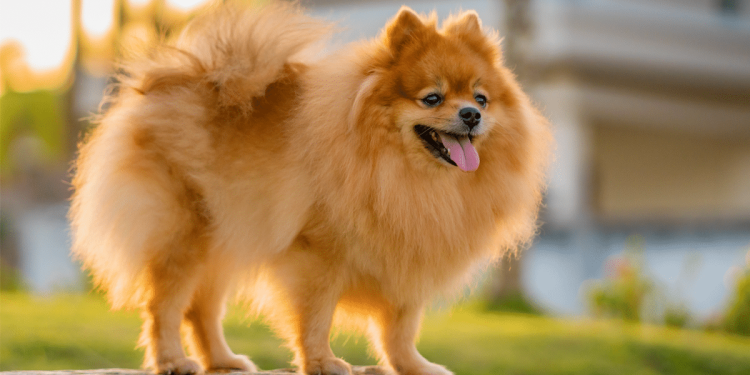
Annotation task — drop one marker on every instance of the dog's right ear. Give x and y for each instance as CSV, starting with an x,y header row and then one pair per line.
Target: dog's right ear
x,y
404,27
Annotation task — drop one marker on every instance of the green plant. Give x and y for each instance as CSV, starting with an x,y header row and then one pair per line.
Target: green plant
x,y
676,316
622,293
10,279
36,116
515,303
737,318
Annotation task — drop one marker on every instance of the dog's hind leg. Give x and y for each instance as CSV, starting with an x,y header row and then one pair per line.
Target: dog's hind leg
x,y
203,318
171,278
172,282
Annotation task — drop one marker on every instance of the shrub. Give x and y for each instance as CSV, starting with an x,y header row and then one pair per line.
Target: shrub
x,y
10,279
737,318
622,293
676,316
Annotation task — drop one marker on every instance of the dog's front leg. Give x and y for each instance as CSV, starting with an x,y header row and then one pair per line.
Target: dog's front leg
x,y
313,354
310,292
395,335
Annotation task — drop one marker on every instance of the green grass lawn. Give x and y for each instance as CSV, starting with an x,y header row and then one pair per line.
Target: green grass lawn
x,y
78,332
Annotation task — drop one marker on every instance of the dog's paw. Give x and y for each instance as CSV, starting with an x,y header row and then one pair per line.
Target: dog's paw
x,y
234,362
424,369
433,369
181,366
328,366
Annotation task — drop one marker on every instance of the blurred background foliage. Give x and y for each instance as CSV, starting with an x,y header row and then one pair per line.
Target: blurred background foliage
x,y
623,292
737,318
36,117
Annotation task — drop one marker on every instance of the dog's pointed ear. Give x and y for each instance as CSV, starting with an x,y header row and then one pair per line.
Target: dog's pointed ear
x,y
405,26
465,24
467,27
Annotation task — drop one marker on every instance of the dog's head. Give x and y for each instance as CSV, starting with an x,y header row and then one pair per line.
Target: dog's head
x,y
446,87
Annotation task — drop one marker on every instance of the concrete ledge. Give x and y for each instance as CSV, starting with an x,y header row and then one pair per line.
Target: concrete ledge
x,y
358,370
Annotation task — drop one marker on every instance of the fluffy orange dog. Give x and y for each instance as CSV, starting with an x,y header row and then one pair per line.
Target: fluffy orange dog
x,y
362,183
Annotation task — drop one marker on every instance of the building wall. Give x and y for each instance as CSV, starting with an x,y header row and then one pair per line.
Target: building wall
x,y
650,102
706,6
645,174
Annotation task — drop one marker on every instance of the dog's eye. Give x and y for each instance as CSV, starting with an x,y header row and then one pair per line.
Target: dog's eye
x,y
432,100
481,99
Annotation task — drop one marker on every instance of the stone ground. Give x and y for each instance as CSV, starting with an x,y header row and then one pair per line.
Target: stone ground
x,y
358,370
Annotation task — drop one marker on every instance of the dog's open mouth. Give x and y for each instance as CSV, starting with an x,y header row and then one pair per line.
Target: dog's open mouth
x,y
454,149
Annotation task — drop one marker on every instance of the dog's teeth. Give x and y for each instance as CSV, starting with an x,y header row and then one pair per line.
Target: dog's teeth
x,y
433,135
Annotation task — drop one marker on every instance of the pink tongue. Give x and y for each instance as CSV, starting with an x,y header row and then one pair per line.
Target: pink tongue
x,y
462,151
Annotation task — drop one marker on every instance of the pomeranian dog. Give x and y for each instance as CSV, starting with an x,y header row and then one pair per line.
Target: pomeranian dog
x,y
348,187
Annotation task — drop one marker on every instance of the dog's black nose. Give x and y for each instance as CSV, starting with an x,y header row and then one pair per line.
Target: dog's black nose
x,y
470,116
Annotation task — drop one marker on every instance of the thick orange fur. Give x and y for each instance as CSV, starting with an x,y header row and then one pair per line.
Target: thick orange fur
x,y
234,161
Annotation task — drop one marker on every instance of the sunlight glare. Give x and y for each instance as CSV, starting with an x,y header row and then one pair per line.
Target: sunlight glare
x,y
42,27
186,5
97,17
139,3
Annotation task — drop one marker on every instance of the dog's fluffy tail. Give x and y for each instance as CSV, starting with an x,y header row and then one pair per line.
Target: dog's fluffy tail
x,y
232,50
128,208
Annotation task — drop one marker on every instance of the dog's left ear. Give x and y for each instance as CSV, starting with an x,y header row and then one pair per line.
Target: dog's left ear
x,y
465,24
402,29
